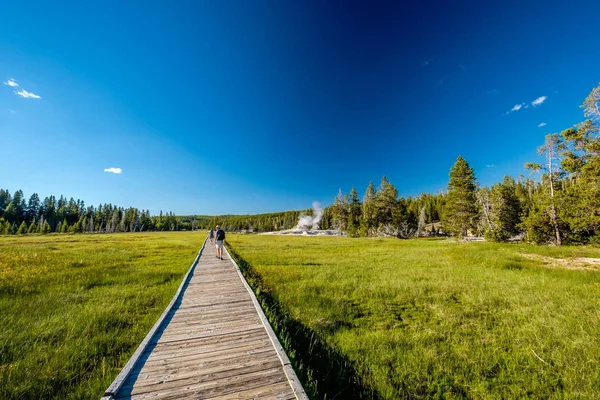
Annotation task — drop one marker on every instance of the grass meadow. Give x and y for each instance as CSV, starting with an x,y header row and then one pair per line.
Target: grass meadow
x,y
391,319
74,308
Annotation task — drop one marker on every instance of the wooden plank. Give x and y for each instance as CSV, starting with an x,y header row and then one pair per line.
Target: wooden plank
x,y
278,391
203,319
211,322
190,371
206,328
216,344
196,366
212,349
222,354
214,299
216,332
221,308
219,387
211,301
209,341
242,307
214,378
114,387
205,289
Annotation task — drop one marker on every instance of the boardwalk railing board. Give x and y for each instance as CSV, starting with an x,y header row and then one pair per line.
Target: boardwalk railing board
x,y
118,382
285,361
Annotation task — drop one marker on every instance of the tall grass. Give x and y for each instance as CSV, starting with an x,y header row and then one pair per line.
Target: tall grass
x,y
432,318
74,308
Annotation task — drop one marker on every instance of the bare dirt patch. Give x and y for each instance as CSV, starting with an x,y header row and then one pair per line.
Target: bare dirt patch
x,y
580,263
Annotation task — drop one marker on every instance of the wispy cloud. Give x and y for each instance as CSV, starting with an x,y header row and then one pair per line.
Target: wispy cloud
x,y
13,112
535,103
517,107
427,62
113,170
489,165
542,124
28,95
538,101
11,82
23,93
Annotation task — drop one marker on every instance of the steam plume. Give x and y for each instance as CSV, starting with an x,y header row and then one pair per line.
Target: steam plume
x,y
307,221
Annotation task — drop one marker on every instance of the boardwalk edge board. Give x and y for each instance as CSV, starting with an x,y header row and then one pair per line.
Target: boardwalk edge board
x,y
285,361
112,390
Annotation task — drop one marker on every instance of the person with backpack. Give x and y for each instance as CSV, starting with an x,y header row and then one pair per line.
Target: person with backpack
x,y
220,236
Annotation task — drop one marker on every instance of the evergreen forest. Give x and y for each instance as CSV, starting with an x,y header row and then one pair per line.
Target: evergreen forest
x,y
555,202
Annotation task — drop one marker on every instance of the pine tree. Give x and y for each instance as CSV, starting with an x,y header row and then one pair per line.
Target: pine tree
x,y
421,224
22,228
460,212
552,149
580,202
77,226
354,213
46,229
10,213
32,227
367,224
64,226
386,200
505,211
340,212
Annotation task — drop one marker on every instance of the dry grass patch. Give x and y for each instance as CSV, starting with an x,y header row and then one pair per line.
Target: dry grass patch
x,y
576,263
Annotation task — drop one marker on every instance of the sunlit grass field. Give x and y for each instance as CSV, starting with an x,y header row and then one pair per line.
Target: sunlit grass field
x,y
431,318
74,308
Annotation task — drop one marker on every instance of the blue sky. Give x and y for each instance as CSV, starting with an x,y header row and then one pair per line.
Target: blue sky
x,y
259,106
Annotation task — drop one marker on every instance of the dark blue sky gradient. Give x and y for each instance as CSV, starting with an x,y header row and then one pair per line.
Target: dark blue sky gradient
x,y
255,106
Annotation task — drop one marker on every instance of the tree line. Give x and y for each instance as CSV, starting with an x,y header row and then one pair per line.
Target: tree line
x,y
559,203
19,215
562,205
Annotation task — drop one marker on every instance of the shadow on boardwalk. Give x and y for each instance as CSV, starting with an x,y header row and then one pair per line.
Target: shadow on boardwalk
x,y
325,373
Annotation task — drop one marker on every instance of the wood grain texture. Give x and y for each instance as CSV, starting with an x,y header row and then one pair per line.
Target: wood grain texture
x,y
213,343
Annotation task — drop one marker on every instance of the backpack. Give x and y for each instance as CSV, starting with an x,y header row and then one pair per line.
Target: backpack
x,y
220,234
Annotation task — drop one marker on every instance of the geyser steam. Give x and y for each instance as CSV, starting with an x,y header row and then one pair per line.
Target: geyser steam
x,y
307,221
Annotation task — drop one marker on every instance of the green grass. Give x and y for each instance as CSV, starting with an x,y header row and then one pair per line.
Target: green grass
x,y
393,319
74,308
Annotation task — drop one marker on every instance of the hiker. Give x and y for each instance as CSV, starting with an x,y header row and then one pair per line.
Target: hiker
x,y
211,235
220,240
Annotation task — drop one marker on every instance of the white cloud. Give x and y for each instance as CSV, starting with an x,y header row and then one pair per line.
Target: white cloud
x,y
542,124
27,95
517,107
11,82
538,101
489,165
113,170
535,103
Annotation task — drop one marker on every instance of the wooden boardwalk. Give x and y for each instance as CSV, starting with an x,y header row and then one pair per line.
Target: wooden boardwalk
x,y
212,342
